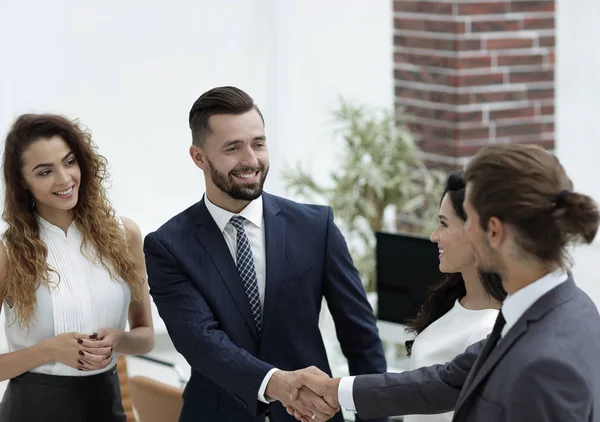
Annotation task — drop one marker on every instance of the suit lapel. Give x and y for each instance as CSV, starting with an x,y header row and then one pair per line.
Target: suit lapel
x,y
275,256
546,303
473,380
211,239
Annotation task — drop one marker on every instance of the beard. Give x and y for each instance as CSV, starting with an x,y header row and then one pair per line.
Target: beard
x,y
240,191
486,260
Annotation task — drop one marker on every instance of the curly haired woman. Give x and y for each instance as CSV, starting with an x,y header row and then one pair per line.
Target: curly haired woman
x,y
71,274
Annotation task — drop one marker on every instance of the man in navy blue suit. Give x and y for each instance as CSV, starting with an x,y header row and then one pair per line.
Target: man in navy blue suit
x,y
239,279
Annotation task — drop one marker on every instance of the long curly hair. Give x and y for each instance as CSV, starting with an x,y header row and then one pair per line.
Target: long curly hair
x,y
27,267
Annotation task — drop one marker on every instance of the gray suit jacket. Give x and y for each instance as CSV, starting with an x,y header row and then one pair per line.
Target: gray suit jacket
x,y
546,368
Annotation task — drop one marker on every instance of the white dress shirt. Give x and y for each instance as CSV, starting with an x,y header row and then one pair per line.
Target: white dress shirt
x,y
83,297
255,231
515,305
513,308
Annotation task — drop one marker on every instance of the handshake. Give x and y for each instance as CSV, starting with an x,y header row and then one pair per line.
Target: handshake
x,y
307,394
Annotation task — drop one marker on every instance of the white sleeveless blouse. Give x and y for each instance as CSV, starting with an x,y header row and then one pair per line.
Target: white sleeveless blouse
x,y
84,300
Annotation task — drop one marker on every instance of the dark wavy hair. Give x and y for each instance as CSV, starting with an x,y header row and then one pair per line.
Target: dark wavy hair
x,y
442,296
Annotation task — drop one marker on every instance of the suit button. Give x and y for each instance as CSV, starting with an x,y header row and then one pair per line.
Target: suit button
x,y
263,357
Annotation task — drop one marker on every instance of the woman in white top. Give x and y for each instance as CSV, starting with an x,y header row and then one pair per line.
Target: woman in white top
x,y
463,307
71,274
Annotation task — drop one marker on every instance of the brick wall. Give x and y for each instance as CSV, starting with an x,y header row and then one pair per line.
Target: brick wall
x,y
469,73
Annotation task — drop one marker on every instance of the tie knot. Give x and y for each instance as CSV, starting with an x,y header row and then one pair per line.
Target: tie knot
x,y
237,221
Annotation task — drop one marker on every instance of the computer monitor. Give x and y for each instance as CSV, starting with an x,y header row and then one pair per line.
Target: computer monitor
x,y
406,266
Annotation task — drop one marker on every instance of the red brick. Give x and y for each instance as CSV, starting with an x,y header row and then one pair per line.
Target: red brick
x,y
430,96
436,43
516,129
449,148
422,60
424,76
520,59
539,23
443,115
431,113
504,96
540,94
547,109
512,113
418,42
468,8
502,44
495,26
449,98
412,24
549,41
467,45
407,93
442,61
548,127
519,76
430,132
477,80
532,6
551,58
437,8
474,133
472,62
441,147
544,143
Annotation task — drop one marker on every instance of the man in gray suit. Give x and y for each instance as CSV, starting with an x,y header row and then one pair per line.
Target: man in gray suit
x,y
541,362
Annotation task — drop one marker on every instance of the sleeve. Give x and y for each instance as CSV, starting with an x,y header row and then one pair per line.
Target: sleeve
x,y
427,390
345,398
195,331
355,323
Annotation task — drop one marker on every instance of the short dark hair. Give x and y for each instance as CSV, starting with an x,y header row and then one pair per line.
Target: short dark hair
x,y
220,100
527,187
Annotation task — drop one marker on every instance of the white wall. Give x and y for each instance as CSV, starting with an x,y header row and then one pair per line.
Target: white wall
x,y
131,71
578,116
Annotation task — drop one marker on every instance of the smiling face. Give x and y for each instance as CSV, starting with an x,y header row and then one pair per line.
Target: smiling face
x,y
456,253
234,158
51,174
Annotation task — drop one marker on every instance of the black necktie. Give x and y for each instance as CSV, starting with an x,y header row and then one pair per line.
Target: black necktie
x,y
491,343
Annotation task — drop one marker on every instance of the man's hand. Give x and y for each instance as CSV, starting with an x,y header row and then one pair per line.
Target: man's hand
x,y
309,381
285,387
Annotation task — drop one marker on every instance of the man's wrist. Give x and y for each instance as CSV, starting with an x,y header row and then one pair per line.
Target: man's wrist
x,y
334,389
275,385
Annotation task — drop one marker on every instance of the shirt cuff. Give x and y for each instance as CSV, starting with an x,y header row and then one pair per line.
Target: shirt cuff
x,y
263,387
345,393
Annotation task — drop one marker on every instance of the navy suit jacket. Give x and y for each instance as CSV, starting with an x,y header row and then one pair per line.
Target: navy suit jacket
x,y
197,289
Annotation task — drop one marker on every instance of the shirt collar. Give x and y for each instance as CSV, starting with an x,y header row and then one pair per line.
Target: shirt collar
x,y
516,305
253,213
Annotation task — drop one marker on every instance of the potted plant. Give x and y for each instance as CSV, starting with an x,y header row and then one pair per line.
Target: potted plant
x,y
379,176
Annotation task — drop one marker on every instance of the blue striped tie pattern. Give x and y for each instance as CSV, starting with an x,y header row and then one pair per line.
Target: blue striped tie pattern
x,y
245,266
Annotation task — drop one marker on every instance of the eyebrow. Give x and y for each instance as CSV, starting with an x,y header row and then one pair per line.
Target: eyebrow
x,y
50,164
443,217
238,141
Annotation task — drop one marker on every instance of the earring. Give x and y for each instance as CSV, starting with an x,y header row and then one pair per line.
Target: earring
x,y
32,203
